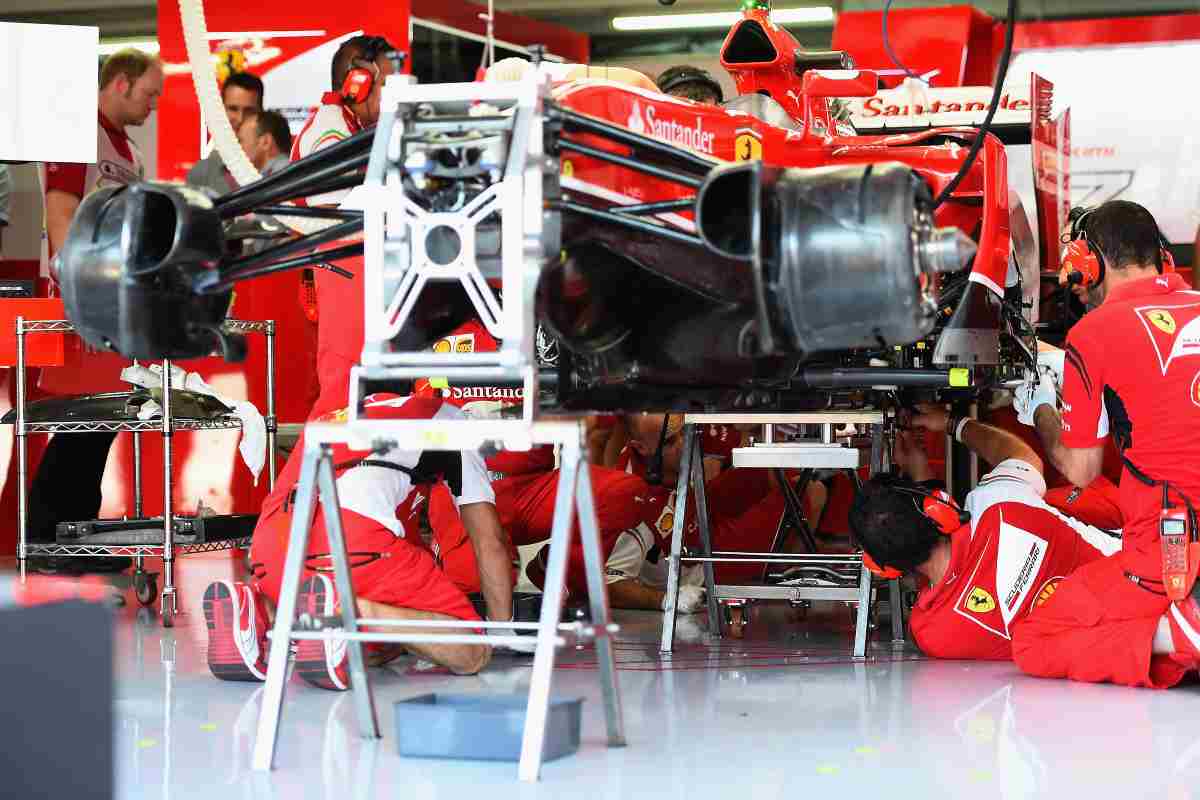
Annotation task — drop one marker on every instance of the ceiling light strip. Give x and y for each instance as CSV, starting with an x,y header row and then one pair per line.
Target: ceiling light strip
x,y
812,15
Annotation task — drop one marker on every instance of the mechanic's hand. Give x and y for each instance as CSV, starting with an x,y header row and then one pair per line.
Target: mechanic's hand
x,y
930,417
691,600
1036,390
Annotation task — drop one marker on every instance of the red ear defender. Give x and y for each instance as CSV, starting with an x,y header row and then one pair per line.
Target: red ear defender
x,y
887,573
357,86
1080,265
945,513
1168,261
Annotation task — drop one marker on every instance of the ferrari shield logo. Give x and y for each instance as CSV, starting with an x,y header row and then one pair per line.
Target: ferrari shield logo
x,y
1162,319
1174,332
980,601
747,147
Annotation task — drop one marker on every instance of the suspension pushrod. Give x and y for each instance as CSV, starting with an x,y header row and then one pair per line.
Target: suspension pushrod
x,y
334,153
639,209
318,259
318,212
627,221
330,234
573,120
653,170
301,184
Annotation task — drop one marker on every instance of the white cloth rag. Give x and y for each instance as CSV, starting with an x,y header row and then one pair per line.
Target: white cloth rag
x,y
253,445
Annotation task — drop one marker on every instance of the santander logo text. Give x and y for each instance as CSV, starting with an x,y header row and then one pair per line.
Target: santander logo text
x,y
687,135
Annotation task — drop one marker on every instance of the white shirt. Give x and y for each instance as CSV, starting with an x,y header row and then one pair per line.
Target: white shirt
x,y
375,492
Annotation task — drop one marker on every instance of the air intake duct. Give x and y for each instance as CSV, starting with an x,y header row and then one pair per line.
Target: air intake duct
x,y
128,269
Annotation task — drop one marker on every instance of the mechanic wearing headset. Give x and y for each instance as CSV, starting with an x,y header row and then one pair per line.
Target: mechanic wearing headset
x,y
984,566
358,71
1132,368
690,83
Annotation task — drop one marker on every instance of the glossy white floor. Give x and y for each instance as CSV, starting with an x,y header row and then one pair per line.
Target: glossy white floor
x,y
783,712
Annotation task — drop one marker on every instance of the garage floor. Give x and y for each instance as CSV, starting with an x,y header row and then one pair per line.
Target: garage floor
x,y
783,712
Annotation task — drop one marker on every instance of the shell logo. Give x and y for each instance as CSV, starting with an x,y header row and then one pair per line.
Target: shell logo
x,y
666,520
227,62
443,346
1194,393
636,123
1046,593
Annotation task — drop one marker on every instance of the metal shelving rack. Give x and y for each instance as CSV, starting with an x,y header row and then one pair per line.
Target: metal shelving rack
x,y
144,584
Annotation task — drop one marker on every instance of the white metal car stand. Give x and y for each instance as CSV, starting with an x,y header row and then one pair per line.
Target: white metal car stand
x,y
397,267
574,495
824,454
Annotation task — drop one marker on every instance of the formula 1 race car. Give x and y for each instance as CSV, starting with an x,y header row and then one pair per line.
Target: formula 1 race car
x,y
752,256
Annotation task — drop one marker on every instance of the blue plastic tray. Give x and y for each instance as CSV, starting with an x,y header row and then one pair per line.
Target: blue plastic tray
x,y
481,727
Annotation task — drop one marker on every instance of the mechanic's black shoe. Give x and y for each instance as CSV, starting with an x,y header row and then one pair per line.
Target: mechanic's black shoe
x,y
95,565
47,565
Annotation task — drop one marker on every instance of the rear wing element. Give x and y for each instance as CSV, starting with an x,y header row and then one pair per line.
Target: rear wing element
x,y
914,107
1051,172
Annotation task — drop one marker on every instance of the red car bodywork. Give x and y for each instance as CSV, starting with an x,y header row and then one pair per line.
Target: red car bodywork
x,y
979,205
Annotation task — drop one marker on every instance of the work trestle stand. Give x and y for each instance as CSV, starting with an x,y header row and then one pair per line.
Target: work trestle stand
x,y
850,580
317,482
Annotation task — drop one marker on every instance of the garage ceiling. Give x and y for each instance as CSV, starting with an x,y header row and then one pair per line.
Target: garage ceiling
x,y
129,18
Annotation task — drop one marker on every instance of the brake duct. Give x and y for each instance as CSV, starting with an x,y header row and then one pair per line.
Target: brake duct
x,y
788,263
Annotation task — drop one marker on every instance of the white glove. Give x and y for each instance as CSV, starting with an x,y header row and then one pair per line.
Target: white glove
x,y
691,600
1055,361
527,645
507,69
692,576
1036,390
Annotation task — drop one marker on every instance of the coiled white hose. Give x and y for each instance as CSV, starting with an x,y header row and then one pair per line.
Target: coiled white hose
x,y
195,36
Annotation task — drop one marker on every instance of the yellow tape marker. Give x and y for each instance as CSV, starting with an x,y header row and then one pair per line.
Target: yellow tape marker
x,y
144,743
960,377
208,727
435,438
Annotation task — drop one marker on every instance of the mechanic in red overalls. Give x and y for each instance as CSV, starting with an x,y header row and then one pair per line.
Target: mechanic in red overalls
x,y
1132,369
984,566
358,69
526,486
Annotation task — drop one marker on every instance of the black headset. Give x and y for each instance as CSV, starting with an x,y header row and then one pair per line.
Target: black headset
x,y
677,76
